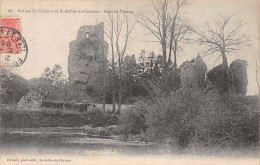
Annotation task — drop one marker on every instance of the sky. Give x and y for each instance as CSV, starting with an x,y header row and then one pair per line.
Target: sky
x,y
48,34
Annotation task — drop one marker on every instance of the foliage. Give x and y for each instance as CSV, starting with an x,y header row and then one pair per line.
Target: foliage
x,y
171,118
140,75
228,122
198,118
57,80
13,87
55,76
97,117
135,73
112,120
220,77
132,122
45,88
52,118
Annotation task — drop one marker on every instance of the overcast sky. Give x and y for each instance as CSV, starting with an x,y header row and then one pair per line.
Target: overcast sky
x,y
48,34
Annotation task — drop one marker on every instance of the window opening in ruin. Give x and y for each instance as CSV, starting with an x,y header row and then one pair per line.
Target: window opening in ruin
x,y
87,34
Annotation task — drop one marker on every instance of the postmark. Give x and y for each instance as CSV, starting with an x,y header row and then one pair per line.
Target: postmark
x,y
12,46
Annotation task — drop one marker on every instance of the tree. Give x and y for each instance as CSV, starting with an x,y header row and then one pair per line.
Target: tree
x,y
256,59
221,37
55,76
129,77
119,32
12,86
110,33
166,24
104,61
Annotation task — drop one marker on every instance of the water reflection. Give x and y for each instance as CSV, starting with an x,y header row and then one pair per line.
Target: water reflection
x,y
43,143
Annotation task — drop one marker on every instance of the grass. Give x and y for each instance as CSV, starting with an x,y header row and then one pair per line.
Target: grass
x,y
46,117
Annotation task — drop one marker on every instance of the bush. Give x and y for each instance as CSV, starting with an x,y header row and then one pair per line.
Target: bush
x,y
192,119
96,117
220,78
171,119
12,87
229,122
132,122
51,118
112,120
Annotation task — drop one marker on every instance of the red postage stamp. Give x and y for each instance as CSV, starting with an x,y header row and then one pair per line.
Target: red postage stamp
x,y
12,45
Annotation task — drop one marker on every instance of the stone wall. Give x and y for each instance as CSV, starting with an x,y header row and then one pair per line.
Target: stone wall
x,y
85,62
238,69
192,73
86,54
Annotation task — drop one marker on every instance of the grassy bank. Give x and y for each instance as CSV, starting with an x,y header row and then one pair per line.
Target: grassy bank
x,y
13,118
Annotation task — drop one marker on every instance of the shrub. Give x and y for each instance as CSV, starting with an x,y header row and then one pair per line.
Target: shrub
x,y
51,118
132,122
171,119
96,117
230,122
220,78
171,81
112,120
193,119
12,87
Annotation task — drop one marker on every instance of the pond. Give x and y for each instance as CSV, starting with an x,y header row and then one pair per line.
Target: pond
x,y
68,143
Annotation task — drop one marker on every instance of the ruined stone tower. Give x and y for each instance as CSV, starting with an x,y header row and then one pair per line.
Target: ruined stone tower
x,y
86,57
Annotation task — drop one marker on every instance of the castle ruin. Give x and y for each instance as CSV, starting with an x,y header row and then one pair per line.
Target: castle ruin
x,y
86,58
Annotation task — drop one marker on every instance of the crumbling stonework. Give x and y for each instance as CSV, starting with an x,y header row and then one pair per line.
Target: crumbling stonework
x,y
201,69
239,76
192,73
87,55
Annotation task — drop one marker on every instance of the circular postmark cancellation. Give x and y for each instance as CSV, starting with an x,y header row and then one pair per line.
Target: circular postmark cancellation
x,y
13,46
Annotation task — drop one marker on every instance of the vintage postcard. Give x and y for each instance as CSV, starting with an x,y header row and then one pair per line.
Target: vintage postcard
x,y
115,82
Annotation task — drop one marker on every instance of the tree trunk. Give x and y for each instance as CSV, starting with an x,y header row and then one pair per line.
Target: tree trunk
x,y
120,85
256,72
104,79
164,57
113,68
175,56
224,58
164,29
114,100
113,84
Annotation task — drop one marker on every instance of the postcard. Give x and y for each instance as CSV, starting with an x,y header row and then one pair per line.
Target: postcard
x,y
129,82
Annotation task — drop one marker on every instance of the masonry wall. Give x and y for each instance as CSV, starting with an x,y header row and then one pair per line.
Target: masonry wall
x,y
85,61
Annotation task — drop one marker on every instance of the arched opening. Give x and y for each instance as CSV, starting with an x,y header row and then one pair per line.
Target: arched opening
x,y
87,34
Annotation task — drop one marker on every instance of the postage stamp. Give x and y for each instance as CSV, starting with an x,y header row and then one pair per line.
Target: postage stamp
x,y
12,45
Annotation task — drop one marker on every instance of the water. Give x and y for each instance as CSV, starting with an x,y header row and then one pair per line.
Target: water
x,y
77,148
67,143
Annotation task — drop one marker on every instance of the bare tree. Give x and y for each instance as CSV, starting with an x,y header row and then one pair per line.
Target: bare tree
x,y
180,30
223,37
110,33
104,77
120,30
163,23
256,59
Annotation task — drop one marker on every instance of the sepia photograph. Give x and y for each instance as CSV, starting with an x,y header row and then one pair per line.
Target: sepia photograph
x,y
117,82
